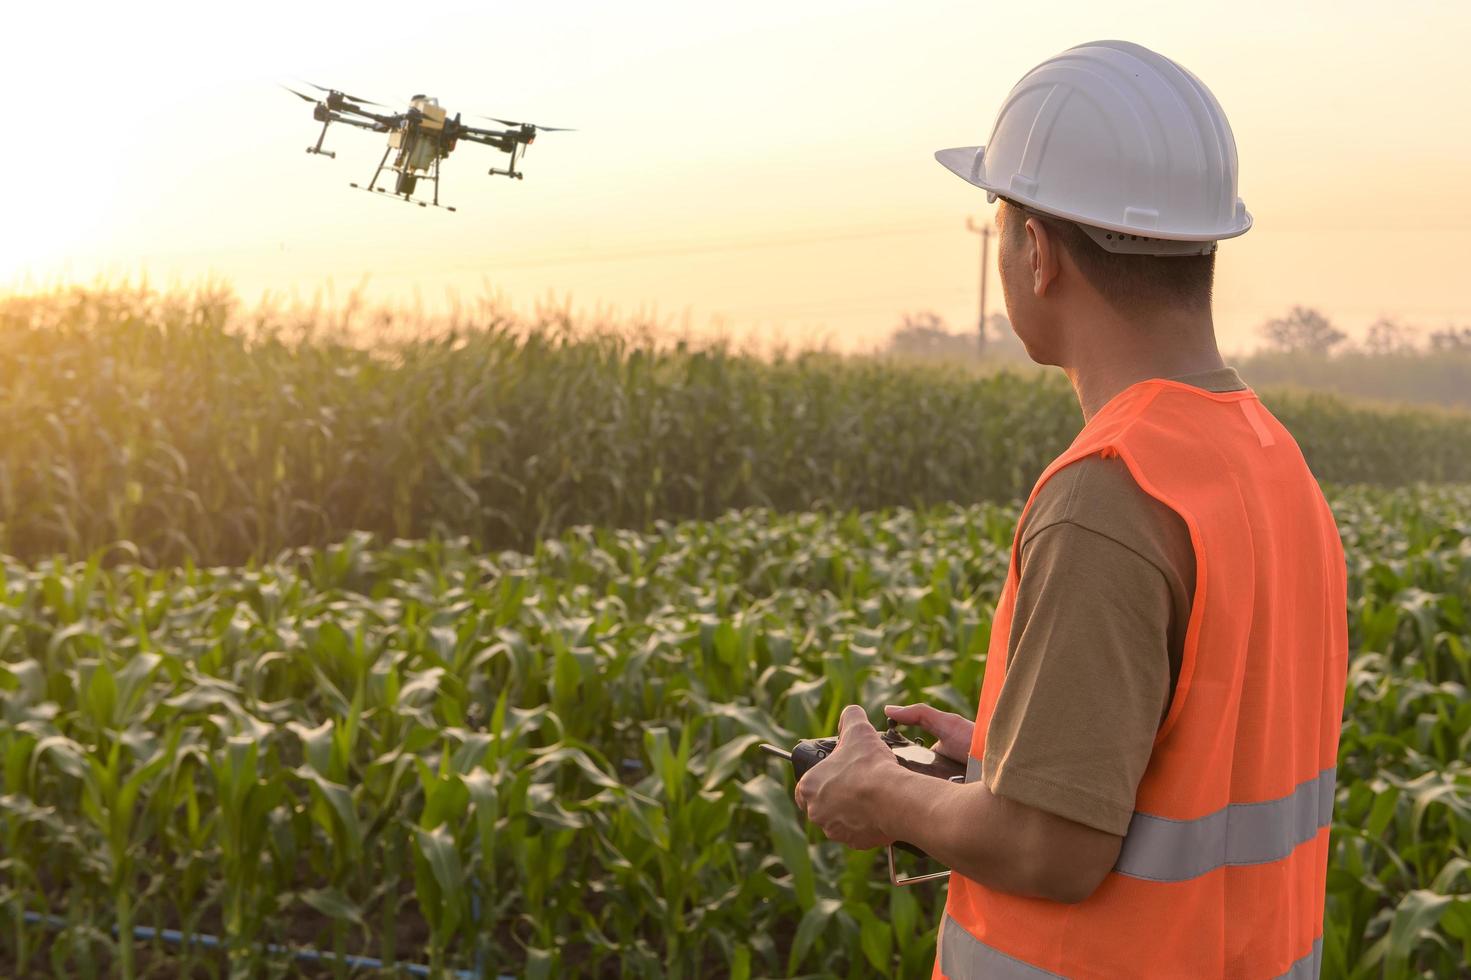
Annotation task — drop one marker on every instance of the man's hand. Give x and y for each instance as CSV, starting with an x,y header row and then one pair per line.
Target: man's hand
x,y
953,731
840,792
863,797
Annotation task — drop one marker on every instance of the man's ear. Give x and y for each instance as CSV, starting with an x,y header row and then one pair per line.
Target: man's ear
x,y
1042,257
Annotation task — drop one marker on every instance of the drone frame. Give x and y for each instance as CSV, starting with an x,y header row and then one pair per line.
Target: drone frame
x,y
343,108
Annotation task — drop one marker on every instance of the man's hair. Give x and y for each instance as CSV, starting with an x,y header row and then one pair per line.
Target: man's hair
x,y
1130,283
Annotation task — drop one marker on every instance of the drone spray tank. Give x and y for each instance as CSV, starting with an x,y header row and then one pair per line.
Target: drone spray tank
x,y
418,141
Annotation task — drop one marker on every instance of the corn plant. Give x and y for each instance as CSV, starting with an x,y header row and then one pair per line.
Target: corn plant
x,y
162,428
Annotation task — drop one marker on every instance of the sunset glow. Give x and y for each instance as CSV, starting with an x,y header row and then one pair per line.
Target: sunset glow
x,y
766,170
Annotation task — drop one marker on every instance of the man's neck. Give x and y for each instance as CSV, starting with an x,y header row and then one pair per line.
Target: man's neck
x,y
1119,355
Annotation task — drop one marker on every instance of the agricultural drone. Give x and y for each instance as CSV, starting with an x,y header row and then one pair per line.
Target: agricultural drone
x,y
422,135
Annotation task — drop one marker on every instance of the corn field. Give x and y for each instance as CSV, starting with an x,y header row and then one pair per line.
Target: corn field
x,y
448,654
541,764
173,428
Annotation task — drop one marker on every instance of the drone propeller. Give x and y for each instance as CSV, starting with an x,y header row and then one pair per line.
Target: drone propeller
x,y
299,95
540,129
350,98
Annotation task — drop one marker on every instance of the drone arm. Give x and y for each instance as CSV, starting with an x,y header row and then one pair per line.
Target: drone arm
x,y
388,121
380,123
488,137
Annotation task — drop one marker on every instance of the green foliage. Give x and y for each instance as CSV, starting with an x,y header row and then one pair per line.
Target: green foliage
x,y
169,429
543,763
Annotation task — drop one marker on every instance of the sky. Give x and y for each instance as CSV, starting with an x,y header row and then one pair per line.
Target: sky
x,y
762,170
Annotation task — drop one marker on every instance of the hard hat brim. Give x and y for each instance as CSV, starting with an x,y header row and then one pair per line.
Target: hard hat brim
x,y
965,162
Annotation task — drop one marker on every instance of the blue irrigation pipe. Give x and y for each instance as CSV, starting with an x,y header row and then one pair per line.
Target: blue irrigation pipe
x,y
480,966
176,938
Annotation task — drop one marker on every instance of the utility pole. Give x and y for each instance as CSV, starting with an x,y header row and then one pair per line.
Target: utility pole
x,y
984,230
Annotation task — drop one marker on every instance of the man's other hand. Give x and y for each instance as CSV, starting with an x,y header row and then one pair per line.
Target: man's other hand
x,y
838,794
953,731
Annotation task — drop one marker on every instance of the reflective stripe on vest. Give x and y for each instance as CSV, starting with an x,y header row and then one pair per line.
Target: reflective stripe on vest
x,y
963,957
1161,849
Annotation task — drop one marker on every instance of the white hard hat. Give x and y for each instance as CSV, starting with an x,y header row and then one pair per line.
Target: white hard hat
x,y
1121,140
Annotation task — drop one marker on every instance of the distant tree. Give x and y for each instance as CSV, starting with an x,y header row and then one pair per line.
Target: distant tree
x,y
1389,336
1001,341
1304,330
925,334
1457,339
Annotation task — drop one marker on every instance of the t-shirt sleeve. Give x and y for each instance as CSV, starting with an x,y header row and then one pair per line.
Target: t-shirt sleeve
x,y
1087,678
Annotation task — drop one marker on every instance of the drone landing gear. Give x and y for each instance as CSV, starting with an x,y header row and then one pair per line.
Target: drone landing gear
x,y
403,197
405,184
510,170
318,148
372,183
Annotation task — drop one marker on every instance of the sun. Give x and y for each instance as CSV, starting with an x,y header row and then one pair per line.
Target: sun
x,y
56,223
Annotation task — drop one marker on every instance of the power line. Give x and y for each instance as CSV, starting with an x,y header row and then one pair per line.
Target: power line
x,y
675,249
681,249
867,303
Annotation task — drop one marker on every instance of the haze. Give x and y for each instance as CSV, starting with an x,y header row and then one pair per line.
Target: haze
x,y
763,169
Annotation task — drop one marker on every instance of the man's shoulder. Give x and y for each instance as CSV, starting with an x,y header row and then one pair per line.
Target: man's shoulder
x,y
1100,494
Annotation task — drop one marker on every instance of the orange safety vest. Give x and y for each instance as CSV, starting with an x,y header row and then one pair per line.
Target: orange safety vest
x,y
1223,868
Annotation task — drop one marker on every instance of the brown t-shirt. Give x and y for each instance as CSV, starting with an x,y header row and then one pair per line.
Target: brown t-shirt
x,y
1106,579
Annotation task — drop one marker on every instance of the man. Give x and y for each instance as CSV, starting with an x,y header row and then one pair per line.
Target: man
x,y
1151,769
